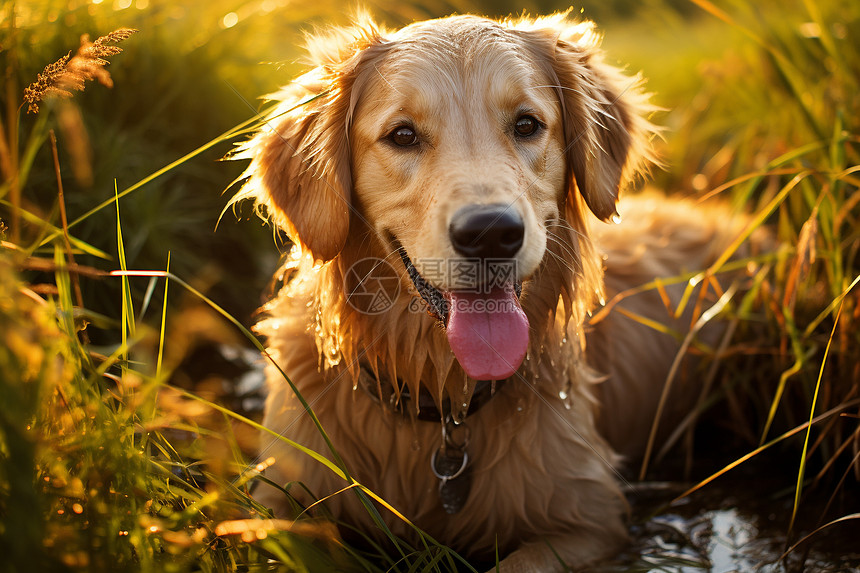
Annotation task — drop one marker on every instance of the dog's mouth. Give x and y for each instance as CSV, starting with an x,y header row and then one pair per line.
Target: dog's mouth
x,y
485,325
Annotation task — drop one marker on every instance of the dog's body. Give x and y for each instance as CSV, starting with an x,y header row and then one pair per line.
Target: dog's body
x,y
506,134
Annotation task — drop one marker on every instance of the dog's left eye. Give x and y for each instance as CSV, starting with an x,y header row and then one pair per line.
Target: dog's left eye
x,y
526,126
403,136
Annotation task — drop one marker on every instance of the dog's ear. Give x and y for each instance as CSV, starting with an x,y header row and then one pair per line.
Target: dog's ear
x,y
606,131
300,161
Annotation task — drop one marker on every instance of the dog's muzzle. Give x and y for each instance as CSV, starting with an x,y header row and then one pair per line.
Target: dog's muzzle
x,y
484,322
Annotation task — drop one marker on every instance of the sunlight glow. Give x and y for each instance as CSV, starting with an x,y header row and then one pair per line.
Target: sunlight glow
x,y
265,464
230,20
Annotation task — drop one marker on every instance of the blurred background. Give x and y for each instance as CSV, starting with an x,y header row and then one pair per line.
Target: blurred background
x,y
195,69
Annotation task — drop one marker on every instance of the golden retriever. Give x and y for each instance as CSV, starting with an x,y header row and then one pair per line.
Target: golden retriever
x,y
439,183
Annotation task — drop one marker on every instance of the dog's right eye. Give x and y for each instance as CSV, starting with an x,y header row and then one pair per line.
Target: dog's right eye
x,y
403,136
526,126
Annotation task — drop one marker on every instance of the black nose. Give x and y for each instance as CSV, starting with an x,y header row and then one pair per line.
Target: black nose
x,y
487,231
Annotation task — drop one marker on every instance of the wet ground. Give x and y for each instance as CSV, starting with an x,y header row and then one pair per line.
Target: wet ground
x,y
738,525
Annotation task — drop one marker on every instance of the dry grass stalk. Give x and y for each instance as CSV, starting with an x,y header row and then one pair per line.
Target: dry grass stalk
x,y
70,73
62,200
803,261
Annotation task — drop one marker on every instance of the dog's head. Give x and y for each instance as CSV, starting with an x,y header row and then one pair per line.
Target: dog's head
x,y
463,146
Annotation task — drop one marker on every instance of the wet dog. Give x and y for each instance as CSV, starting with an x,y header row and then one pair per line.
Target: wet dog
x,y
452,192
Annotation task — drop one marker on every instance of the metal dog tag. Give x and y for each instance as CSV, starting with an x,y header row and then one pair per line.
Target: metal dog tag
x,y
454,480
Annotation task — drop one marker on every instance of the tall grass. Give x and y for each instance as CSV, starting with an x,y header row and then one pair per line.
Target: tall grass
x,y
772,124
803,171
104,465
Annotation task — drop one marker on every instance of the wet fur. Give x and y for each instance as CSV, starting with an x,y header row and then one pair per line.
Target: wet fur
x,y
543,467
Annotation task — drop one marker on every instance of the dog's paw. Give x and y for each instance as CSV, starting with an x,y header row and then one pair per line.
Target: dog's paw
x,y
530,559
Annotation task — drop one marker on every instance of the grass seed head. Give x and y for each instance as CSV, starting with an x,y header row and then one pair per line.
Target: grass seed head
x,y
70,74
45,84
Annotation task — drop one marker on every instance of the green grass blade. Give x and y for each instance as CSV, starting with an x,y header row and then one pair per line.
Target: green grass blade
x,y
55,231
128,326
802,470
64,288
226,136
35,141
163,324
778,393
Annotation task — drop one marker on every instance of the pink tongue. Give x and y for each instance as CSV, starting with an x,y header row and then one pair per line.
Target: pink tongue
x,y
489,333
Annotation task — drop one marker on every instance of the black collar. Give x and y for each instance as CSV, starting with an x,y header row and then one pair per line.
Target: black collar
x,y
382,392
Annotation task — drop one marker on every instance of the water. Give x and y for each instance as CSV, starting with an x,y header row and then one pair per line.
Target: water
x,y
738,526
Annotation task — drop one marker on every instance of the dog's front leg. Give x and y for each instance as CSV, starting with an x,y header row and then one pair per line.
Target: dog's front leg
x,y
530,558
557,555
